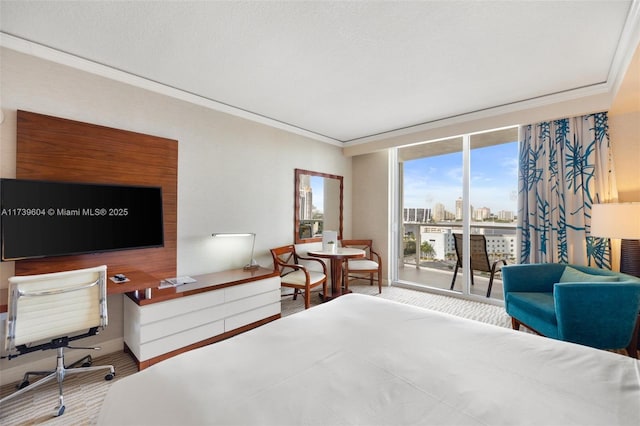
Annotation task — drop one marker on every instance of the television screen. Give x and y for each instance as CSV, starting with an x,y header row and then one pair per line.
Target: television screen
x,y
42,218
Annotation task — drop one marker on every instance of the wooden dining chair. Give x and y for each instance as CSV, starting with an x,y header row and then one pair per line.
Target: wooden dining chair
x,y
297,276
369,265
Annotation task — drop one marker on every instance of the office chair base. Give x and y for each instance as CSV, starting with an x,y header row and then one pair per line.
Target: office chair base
x,y
58,375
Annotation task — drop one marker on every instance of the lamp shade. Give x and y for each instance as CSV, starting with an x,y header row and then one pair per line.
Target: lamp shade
x,y
616,220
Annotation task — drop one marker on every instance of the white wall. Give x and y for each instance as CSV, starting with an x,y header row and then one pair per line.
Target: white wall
x,y
371,203
624,132
234,175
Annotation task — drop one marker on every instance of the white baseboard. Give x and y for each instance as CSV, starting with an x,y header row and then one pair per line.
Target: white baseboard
x,y
14,374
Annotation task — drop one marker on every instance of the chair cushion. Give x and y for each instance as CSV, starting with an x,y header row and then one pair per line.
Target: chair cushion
x,y
362,265
298,277
571,275
535,305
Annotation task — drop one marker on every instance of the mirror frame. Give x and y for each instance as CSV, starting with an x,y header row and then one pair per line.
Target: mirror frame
x,y
296,218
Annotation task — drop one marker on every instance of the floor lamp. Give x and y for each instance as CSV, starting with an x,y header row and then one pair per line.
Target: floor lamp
x,y
620,220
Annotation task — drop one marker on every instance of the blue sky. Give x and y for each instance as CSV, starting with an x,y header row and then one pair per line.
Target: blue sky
x,y
494,179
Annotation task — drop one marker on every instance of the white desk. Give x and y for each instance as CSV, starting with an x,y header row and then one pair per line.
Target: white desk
x,y
215,307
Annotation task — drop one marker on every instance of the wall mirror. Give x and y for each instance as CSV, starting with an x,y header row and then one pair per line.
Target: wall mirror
x,y
318,205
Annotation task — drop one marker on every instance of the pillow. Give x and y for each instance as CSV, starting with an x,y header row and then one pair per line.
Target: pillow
x,y
571,275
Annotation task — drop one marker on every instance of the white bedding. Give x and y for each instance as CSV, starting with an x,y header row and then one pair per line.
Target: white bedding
x,y
364,360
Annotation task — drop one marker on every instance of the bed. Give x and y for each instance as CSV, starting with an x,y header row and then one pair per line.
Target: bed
x,y
363,360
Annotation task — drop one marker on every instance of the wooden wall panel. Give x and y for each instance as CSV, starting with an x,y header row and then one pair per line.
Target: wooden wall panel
x,y
51,148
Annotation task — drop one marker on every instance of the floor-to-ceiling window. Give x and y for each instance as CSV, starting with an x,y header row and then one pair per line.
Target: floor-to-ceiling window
x,y
465,185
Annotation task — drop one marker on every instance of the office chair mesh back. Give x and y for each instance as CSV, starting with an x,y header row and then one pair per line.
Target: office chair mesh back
x,y
59,304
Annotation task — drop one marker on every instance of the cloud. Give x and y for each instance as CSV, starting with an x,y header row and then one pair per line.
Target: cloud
x,y
494,179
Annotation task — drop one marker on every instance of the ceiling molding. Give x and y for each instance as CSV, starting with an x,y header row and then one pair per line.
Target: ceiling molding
x,y
43,52
594,90
581,105
599,95
629,42
40,51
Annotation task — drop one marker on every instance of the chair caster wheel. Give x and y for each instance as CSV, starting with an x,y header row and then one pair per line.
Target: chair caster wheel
x,y
109,376
88,361
23,384
59,411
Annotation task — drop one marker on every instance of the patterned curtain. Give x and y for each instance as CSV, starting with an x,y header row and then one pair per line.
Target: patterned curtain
x,y
565,167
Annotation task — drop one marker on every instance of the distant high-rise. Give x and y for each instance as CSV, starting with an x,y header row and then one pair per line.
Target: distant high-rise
x,y
459,208
306,197
416,214
439,212
506,215
481,214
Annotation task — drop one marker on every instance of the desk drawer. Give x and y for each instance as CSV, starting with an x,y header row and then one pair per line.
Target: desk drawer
x,y
177,307
178,324
249,289
254,315
250,303
176,341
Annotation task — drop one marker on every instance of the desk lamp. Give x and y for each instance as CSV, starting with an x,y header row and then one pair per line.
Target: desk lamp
x,y
620,220
252,265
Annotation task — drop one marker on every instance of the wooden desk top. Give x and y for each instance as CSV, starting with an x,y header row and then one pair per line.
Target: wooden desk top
x,y
137,281
204,283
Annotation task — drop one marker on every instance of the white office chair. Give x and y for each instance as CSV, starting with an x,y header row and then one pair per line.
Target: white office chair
x,y
47,311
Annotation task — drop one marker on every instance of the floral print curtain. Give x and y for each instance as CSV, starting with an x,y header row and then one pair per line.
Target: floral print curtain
x,y
565,167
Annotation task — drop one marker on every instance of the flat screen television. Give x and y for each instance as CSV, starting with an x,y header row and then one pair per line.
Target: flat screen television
x,y
45,218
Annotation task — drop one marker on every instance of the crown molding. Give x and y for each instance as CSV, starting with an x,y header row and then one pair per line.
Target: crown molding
x,y
628,42
43,52
599,90
627,45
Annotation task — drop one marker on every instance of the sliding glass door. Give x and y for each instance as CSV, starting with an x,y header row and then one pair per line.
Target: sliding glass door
x,y
431,184
449,190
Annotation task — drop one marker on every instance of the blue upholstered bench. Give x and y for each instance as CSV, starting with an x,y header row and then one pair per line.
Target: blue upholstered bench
x,y
590,306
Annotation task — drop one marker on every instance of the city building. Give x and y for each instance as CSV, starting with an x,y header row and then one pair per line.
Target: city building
x,y
306,198
481,214
507,216
416,214
501,243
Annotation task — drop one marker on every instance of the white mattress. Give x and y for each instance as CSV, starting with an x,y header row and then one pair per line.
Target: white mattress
x,y
362,360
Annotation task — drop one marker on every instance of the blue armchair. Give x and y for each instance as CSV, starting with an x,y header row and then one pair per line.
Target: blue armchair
x,y
579,304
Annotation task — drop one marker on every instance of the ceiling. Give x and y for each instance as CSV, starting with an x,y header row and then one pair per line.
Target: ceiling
x,y
342,71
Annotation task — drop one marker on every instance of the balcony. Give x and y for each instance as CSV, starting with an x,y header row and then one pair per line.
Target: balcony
x,y
431,274
436,269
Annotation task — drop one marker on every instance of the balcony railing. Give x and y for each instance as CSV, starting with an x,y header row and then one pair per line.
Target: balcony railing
x,y
436,269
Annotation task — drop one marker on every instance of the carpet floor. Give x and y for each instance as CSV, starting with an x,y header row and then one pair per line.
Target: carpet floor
x,y
84,393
